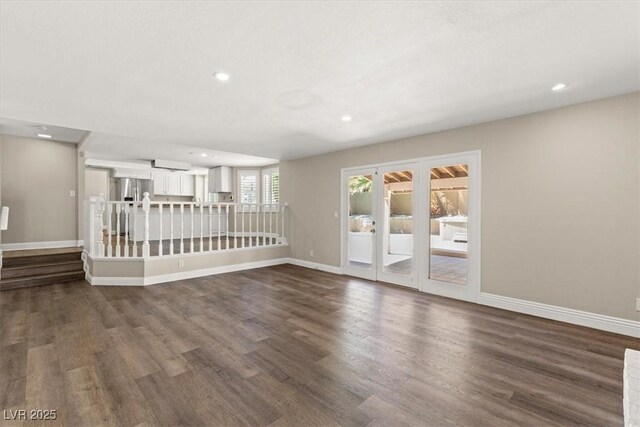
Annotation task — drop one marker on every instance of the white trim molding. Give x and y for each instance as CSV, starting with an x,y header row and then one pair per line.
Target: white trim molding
x,y
562,314
41,245
315,266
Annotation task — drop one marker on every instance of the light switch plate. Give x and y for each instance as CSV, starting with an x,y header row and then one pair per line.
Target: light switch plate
x,y
637,304
72,193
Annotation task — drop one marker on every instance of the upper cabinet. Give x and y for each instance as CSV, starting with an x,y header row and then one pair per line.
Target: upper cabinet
x,y
131,173
173,184
159,184
220,180
187,185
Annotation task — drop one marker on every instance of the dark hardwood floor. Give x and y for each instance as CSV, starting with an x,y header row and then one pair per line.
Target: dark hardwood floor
x,y
292,346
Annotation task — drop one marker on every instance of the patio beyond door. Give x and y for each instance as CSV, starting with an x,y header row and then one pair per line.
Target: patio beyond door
x,y
378,233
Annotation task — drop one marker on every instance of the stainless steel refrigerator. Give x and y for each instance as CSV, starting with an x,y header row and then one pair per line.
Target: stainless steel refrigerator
x,y
131,190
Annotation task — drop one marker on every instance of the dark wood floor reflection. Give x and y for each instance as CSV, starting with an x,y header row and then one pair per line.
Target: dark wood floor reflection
x,y
291,346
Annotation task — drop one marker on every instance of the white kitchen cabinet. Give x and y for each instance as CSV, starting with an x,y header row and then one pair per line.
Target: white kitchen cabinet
x,y
172,184
159,184
187,186
220,180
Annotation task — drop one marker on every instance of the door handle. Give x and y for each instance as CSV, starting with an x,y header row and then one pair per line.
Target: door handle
x,y
373,230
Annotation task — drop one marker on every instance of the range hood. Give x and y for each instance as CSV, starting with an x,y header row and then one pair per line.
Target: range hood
x,y
170,164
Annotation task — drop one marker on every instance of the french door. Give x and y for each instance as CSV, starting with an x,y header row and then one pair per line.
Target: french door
x,y
378,223
450,200
415,224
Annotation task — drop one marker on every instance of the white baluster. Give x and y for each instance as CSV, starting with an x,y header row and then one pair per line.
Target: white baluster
x,y
227,225
250,225
201,227
264,225
109,226
92,226
171,227
277,222
118,207
160,245
126,230
191,247
210,226
181,228
134,246
235,227
270,224
219,229
242,234
146,207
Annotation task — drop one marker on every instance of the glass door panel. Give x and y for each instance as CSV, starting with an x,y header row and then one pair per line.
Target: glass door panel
x,y
397,227
448,206
397,224
360,223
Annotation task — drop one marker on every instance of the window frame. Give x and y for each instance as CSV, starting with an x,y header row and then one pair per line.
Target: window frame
x,y
269,172
248,172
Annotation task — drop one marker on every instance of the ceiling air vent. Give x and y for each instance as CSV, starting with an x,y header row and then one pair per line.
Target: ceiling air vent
x,y
171,165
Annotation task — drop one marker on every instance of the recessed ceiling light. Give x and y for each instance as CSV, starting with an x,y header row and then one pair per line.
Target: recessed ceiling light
x,y
44,135
215,157
346,118
558,86
223,77
203,154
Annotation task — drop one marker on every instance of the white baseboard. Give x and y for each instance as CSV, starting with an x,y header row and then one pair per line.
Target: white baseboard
x,y
183,275
315,266
562,314
114,281
41,245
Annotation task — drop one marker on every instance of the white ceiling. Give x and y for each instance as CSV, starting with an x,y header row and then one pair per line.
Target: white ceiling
x,y
102,146
143,70
31,130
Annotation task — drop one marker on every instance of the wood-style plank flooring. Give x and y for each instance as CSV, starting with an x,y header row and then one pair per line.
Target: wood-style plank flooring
x,y
292,346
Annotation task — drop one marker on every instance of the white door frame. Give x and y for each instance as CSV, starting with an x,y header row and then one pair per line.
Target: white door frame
x,y
365,273
471,291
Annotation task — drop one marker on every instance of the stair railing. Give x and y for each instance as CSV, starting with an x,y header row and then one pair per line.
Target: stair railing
x,y
145,229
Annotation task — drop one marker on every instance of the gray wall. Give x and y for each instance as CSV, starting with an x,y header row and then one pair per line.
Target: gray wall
x,y
581,159
36,177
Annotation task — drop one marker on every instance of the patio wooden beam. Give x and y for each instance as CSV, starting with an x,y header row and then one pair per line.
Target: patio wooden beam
x,y
406,175
447,170
391,175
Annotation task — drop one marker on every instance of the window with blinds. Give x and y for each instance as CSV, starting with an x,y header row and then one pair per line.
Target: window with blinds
x,y
271,186
248,186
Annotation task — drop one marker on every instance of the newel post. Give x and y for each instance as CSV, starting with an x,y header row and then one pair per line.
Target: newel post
x,y
97,238
146,207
